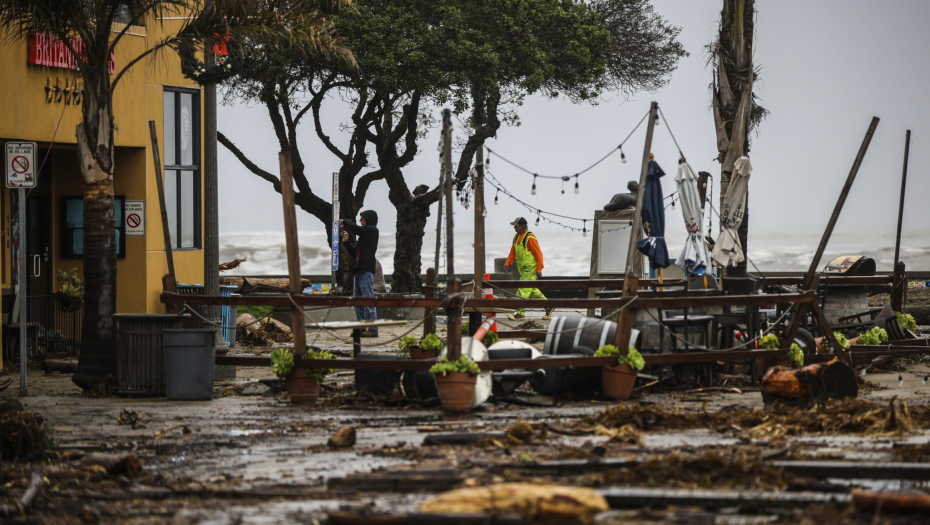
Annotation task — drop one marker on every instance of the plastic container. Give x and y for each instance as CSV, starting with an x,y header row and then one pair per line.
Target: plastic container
x,y
189,364
140,351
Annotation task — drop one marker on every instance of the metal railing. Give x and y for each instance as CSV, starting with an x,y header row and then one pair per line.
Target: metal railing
x,y
52,330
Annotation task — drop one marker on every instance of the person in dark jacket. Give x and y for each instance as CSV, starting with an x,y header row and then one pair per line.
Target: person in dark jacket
x,y
367,234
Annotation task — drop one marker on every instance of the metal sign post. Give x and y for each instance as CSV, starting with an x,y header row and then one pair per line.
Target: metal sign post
x,y
335,227
21,173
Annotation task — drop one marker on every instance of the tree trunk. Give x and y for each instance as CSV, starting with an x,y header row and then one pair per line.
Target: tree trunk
x,y
410,230
98,335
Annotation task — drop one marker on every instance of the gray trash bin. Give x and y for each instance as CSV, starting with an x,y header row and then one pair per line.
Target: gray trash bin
x,y
189,363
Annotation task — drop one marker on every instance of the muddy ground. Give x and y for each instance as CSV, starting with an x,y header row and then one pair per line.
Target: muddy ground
x,y
258,459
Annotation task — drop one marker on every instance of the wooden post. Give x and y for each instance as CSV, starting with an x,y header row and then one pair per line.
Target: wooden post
x,y
454,315
898,287
480,212
298,325
429,322
631,279
809,277
897,241
447,169
169,281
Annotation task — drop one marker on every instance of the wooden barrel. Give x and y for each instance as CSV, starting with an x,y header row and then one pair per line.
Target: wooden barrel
x,y
565,333
845,300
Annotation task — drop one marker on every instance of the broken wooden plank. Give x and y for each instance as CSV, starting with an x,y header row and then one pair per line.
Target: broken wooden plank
x,y
460,438
891,502
856,470
355,518
628,497
569,466
420,480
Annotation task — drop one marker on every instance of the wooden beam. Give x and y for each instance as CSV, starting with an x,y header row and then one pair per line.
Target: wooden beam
x,y
298,323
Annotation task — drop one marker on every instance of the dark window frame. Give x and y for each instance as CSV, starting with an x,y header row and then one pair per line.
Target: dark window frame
x,y
66,233
196,133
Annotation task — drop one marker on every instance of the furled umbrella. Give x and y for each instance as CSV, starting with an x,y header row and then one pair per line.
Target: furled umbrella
x,y
653,215
728,251
694,258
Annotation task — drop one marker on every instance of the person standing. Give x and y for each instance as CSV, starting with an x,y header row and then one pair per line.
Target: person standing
x,y
363,250
529,258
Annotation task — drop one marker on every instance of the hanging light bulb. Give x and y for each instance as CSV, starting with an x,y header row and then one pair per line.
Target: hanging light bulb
x,y
576,184
487,160
537,220
657,119
622,156
484,212
584,228
495,197
673,204
534,184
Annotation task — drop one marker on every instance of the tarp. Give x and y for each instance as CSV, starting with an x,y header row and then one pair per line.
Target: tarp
x,y
728,251
653,214
694,257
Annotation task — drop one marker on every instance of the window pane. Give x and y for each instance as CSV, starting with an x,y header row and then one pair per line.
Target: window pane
x,y
187,209
117,243
118,205
186,129
75,218
170,157
78,246
171,204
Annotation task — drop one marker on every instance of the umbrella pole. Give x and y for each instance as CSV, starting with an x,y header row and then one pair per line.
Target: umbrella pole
x,y
630,279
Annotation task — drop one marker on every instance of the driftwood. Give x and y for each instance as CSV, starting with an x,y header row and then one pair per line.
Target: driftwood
x,y
232,264
535,503
36,480
891,502
247,286
810,384
116,464
353,518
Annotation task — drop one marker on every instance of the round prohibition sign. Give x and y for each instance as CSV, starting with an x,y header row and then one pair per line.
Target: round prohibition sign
x,y
20,164
133,220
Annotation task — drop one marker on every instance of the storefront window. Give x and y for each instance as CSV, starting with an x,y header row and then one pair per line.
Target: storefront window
x,y
72,227
182,166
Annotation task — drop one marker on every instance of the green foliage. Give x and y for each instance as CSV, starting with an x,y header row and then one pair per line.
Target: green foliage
x,y
318,373
769,342
462,364
840,338
906,321
282,362
632,357
873,337
71,285
431,343
405,344
525,458
257,311
490,338
795,356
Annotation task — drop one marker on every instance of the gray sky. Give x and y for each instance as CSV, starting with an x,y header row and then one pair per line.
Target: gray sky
x,y
827,68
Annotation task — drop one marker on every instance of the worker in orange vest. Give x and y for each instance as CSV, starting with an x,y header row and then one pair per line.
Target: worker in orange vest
x,y
529,258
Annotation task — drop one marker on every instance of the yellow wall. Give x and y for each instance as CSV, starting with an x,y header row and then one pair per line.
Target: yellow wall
x,y
24,115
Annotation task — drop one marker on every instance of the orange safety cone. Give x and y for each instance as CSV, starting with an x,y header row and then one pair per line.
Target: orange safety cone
x,y
489,294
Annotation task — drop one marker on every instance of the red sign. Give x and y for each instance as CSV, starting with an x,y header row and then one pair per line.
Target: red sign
x,y
48,50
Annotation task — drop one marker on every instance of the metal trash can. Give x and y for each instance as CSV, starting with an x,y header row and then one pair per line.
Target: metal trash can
x,y
189,364
140,354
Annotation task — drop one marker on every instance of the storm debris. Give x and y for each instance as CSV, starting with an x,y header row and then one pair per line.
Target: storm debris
x,y
535,503
343,438
23,435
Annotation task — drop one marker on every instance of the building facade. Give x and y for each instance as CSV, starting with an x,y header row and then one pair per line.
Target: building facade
x,y
40,102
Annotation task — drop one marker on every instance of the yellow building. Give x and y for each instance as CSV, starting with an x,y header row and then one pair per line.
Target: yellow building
x,y
38,103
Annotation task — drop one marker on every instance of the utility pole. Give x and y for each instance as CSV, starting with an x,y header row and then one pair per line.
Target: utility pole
x,y
480,210
211,220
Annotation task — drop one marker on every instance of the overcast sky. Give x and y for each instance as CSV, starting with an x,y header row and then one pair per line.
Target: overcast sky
x,y
827,68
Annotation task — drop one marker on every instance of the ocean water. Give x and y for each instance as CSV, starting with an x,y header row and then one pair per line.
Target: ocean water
x,y
569,253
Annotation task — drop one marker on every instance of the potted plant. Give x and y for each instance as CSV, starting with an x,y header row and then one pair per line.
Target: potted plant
x,y
303,385
617,380
456,381
70,297
795,356
405,344
429,348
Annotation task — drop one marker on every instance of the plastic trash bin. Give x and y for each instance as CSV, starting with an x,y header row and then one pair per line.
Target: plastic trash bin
x,y
140,351
189,363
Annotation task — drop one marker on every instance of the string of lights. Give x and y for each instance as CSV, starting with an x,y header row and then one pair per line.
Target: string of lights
x,y
566,178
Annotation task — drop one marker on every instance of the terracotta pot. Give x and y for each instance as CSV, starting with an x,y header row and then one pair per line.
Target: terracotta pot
x,y
456,390
617,381
417,353
303,390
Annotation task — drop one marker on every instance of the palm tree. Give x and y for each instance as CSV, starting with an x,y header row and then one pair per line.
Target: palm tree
x,y
296,23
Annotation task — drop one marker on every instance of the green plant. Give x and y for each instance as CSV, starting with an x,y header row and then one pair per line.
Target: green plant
x,y
71,286
405,344
632,357
462,364
431,343
769,342
840,338
282,362
795,356
525,458
318,373
906,321
490,338
873,337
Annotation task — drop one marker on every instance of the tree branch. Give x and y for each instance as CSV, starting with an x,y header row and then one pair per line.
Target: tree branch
x,y
248,163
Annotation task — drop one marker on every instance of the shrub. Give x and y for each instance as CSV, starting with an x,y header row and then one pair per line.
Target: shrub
x,y
462,364
632,357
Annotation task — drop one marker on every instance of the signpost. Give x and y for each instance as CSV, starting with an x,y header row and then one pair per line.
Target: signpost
x,y
335,227
20,163
135,219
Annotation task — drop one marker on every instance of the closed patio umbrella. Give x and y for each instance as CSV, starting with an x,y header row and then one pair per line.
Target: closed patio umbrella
x,y
653,214
728,251
694,257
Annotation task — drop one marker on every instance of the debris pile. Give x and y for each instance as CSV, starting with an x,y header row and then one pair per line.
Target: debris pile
x,y
261,332
23,435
